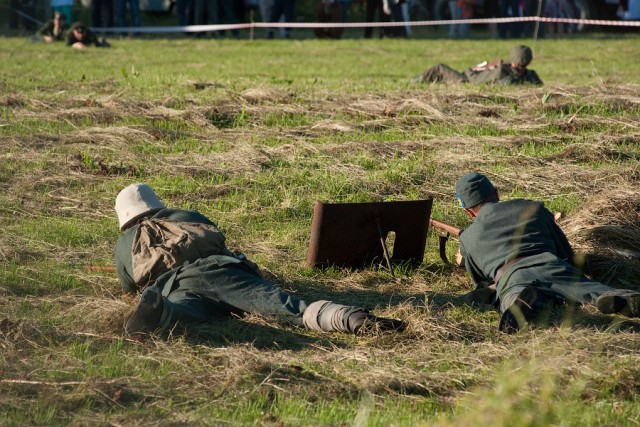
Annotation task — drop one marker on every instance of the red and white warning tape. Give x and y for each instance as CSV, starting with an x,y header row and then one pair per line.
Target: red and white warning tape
x,y
222,27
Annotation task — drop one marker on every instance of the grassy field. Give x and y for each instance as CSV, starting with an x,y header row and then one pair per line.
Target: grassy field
x,y
252,134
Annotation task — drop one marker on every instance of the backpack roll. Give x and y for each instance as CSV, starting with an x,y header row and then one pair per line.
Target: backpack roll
x,y
161,245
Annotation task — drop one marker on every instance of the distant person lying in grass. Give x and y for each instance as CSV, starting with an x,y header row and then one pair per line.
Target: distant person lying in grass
x,y
516,248
80,37
179,261
53,30
497,71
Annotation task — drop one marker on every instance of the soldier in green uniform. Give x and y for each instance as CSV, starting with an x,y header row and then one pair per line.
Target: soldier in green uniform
x,y
516,246
515,72
204,279
80,36
54,29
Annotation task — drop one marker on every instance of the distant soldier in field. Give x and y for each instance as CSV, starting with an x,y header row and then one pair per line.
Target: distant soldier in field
x,y
53,30
517,248
180,263
80,37
515,72
329,11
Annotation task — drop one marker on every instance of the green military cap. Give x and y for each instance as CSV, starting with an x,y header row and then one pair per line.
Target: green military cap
x,y
521,55
473,188
79,27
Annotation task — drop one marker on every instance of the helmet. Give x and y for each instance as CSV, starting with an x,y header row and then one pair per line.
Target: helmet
x,y
135,201
79,27
521,55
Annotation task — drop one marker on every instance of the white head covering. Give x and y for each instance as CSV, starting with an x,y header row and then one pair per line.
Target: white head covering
x,y
135,201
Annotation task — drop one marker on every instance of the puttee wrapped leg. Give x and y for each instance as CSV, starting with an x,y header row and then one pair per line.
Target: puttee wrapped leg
x,y
328,316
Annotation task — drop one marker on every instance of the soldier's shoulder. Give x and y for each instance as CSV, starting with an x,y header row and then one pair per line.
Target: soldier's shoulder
x,y
182,215
520,203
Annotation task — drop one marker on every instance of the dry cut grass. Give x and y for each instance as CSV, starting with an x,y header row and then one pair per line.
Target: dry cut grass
x,y
574,147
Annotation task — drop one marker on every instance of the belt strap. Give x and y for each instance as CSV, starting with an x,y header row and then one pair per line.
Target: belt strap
x,y
506,268
168,286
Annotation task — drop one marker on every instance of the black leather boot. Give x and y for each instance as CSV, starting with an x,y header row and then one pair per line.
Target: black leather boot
x,y
146,318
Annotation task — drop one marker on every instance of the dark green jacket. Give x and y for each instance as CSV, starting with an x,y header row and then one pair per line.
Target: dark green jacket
x,y
507,230
89,38
48,29
124,245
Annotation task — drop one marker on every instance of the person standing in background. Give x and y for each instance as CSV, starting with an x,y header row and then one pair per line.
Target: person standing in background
x,y
280,8
265,13
456,13
509,9
184,10
629,10
21,12
205,12
377,7
232,11
121,13
394,10
63,6
492,10
466,12
329,11
555,9
102,13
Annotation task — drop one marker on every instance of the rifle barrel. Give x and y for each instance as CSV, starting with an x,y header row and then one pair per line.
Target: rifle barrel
x,y
445,227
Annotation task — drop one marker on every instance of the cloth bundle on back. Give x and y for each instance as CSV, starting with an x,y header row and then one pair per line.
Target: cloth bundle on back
x,y
161,245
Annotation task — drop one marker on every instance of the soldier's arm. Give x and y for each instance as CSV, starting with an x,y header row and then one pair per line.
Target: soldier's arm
x,y
532,78
562,245
488,65
478,277
123,262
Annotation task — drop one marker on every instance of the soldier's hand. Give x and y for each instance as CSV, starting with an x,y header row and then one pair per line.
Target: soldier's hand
x,y
459,259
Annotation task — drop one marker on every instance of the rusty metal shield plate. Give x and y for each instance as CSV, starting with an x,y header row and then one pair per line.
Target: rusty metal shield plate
x,y
352,234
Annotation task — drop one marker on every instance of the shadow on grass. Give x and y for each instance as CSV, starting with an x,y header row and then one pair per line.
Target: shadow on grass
x,y
577,317
225,332
260,334
391,295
